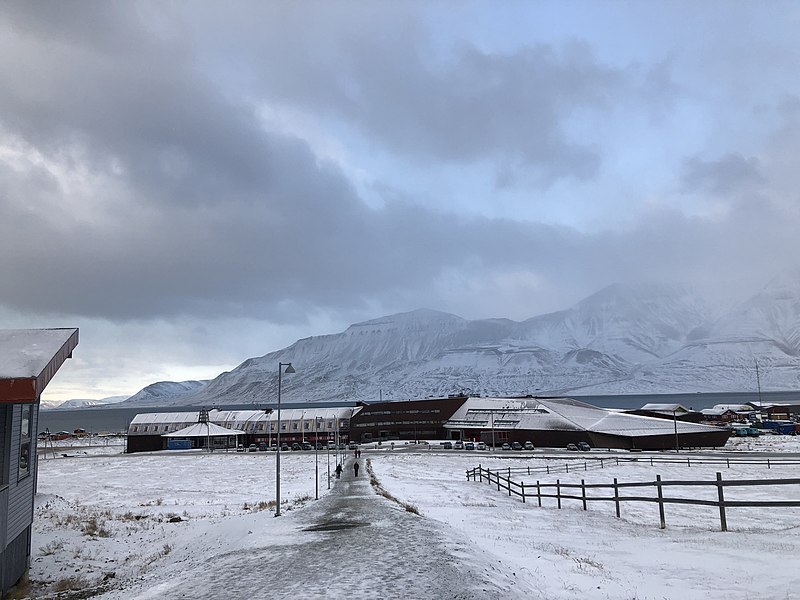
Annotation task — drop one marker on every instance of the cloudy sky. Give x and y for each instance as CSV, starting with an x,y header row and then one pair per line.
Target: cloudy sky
x,y
196,183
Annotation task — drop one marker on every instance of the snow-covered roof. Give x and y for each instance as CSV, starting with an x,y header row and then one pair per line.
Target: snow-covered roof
x,y
562,414
249,421
203,430
739,408
665,408
33,355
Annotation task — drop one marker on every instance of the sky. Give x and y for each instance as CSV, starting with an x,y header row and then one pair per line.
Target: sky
x,y
192,183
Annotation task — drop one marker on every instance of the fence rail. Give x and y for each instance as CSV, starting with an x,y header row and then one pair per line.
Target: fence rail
x,y
591,463
502,478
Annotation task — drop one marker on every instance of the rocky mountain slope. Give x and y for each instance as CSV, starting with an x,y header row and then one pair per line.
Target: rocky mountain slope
x,y
623,339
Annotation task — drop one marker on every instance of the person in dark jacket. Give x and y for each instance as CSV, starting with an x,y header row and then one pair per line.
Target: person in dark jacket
x,y
355,468
338,470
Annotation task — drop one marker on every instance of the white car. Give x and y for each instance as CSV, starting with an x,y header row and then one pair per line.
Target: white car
x,y
459,445
481,446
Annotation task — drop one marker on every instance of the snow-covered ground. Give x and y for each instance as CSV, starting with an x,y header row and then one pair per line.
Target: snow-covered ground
x,y
103,520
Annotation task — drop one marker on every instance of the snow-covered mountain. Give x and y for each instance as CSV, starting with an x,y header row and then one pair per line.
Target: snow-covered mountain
x,y
623,339
81,403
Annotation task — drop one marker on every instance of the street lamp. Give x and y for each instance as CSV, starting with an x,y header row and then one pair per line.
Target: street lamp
x,y
317,421
289,369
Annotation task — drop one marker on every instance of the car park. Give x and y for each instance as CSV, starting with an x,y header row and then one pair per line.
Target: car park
x,y
584,446
481,446
528,445
505,446
572,447
469,446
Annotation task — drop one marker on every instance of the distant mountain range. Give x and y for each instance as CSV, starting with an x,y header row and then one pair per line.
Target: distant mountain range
x,y
625,339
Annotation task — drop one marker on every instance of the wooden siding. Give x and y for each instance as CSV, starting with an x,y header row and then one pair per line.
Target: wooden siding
x,y
20,491
14,560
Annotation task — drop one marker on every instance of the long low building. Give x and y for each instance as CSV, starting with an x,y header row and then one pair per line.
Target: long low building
x,y
146,431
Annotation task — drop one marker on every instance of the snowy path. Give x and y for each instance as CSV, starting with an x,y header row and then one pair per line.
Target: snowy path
x,y
350,544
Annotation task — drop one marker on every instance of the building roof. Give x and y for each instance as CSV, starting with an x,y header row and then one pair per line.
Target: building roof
x,y
203,430
29,358
665,408
561,414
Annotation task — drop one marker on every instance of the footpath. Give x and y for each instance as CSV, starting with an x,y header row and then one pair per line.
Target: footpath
x,y
351,544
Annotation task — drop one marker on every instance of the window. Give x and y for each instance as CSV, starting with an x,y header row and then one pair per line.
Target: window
x,y
294,426
25,440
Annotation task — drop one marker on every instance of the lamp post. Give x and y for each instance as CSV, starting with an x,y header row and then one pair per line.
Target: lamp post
x,y
675,422
317,421
289,369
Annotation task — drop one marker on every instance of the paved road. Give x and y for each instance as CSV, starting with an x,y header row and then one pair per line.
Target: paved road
x,y
352,544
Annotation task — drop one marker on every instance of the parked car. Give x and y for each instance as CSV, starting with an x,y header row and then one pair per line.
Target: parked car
x,y
240,448
481,446
505,446
306,446
528,445
572,447
469,446
284,447
584,446
262,447
353,446
516,446
252,448
331,445
447,445
459,445
295,446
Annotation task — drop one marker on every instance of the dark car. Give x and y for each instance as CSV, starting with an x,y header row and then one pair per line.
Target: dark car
x,y
262,447
516,446
252,448
584,446
572,447
447,445
284,447
296,446
306,446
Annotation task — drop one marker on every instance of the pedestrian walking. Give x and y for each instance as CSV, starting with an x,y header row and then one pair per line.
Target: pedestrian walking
x,y
355,468
339,470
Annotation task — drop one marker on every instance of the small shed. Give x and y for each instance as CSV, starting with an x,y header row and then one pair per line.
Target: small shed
x,y
29,358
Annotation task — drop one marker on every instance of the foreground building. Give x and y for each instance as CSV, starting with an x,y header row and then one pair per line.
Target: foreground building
x,y
29,358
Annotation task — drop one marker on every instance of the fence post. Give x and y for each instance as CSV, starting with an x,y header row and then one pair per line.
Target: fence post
x,y
529,469
616,495
548,469
601,463
566,467
583,493
539,493
723,521
651,461
467,474
584,466
522,487
498,479
558,492
617,460
688,462
728,461
480,473
768,466
509,473
509,482
660,502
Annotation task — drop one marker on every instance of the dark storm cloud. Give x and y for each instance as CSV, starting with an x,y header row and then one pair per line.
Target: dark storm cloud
x,y
729,173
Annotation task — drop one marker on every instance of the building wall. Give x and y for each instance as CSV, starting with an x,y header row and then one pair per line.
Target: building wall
x,y
406,420
16,499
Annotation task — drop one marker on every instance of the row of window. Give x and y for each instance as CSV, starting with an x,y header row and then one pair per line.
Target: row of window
x,y
390,423
414,411
343,424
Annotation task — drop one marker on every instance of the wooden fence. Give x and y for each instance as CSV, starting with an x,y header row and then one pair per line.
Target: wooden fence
x,y
559,491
